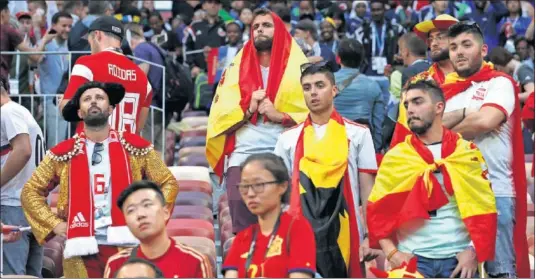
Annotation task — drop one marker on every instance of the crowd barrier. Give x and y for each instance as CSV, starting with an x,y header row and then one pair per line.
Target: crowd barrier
x,y
41,104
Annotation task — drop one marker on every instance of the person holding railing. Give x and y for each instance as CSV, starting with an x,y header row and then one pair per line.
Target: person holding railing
x,y
108,64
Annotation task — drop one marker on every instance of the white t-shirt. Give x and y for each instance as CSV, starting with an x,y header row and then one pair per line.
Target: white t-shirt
x,y
443,235
100,180
361,156
16,120
496,146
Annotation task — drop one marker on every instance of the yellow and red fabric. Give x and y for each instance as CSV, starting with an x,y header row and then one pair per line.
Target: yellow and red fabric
x,y
322,192
243,77
441,22
406,189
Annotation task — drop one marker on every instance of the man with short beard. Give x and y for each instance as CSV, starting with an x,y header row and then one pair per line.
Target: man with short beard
x,y
92,168
434,32
432,199
482,105
258,95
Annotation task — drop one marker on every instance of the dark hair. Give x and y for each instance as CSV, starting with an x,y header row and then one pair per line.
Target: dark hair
x,y
466,27
135,260
351,53
98,7
4,4
283,13
308,26
383,2
520,39
323,67
260,11
69,6
157,14
140,185
430,87
414,44
56,17
275,165
500,56
4,84
234,23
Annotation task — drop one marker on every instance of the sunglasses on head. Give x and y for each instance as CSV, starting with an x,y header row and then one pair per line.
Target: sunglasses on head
x,y
316,66
467,25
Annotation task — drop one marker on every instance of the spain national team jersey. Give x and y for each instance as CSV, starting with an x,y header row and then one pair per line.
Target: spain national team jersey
x,y
179,261
293,249
110,66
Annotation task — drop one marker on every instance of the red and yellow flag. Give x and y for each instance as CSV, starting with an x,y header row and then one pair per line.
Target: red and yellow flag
x,y
241,78
406,189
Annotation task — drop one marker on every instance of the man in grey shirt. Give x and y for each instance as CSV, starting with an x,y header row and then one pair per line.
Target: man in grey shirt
x,y
504,61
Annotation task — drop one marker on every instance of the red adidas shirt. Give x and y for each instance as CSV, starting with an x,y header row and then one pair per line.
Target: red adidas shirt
x,y
293,250
110,66
180,261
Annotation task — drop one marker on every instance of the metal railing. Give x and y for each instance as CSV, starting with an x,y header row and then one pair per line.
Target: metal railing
x,y
44,98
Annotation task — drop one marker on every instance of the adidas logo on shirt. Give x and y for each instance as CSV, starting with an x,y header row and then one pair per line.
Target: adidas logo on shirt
x,y
79,221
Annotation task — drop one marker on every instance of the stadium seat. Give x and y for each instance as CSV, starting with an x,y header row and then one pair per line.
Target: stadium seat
x,y
190,173
57,257
192,141
195,121
227,245
193,113
49,268
195,186
194,198
203,244
191,150
190,227
194,160
226,235
194,132
222,202
192,212
225,212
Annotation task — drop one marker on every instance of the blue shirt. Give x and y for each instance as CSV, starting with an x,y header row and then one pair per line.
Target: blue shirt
x,y
148,52
520,24
52,68
362,99
487,20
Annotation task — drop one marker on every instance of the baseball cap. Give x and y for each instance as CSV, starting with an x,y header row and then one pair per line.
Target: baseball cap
x,y
106,24
20,15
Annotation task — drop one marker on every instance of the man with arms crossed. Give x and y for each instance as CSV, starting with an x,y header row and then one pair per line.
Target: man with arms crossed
x,y
483,106
21,150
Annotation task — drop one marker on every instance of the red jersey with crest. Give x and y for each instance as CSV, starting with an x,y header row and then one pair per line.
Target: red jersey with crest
x,y
111,66
292,250
179,261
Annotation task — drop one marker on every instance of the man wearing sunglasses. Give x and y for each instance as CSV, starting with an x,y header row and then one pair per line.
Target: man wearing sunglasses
x,y
332,164
92,169
258,95
483,106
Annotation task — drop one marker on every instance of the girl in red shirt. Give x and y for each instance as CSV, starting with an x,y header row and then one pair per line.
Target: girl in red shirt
x,y
280,245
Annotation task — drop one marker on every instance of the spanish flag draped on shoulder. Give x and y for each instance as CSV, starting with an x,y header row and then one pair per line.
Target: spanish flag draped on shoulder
x,y
321,191
241,79
406,189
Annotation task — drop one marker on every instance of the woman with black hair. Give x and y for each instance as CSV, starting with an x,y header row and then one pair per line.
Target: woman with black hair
x,y
280,245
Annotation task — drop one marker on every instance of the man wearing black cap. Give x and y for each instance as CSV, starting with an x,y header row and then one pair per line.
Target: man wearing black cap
x,y
92,168
108,64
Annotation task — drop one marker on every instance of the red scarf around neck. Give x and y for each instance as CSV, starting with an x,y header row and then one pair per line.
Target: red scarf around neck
x,y
81,239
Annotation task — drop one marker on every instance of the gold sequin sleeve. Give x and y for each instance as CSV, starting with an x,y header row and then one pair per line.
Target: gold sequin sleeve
x,y
156,171
34,204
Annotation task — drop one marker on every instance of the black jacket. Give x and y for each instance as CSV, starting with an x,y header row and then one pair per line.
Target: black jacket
x,y
201,34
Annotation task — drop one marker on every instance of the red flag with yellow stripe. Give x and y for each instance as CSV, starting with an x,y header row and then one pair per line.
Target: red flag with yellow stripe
x,y
406,189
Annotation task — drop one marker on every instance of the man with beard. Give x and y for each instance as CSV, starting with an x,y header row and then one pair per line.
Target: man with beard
x,y
329,183
483,106
92,168
258,95
434,32
431,196
108,64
